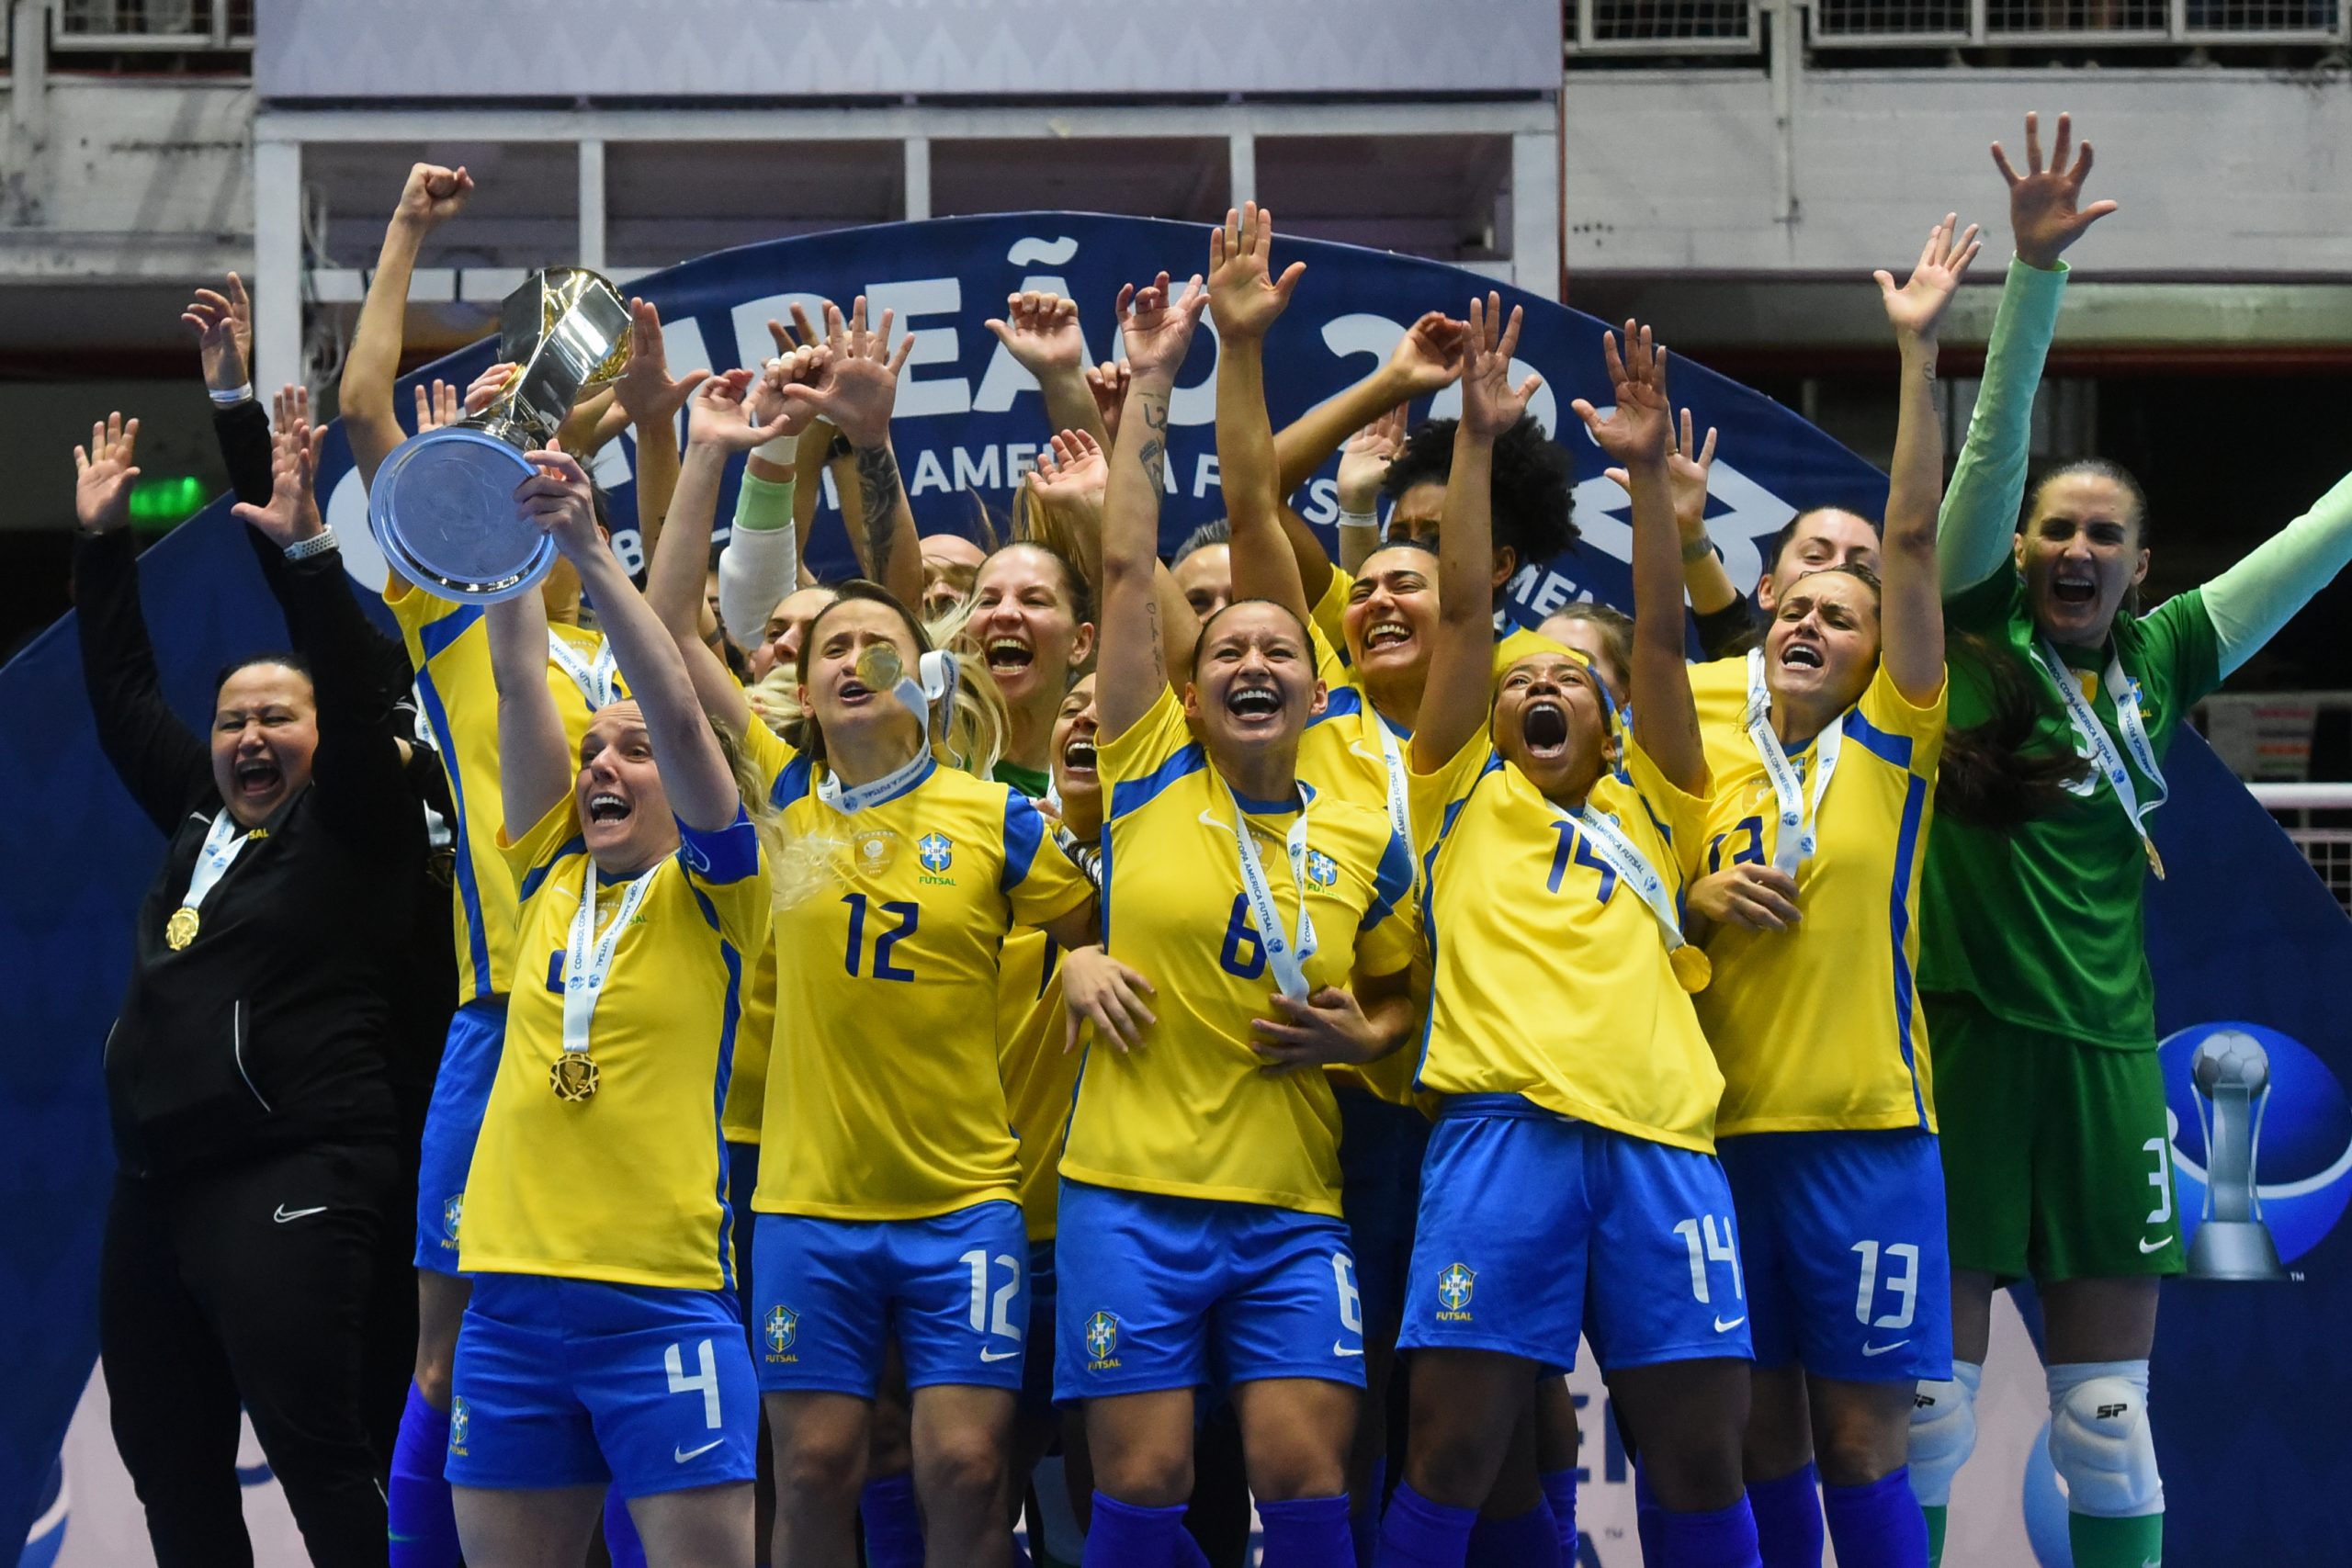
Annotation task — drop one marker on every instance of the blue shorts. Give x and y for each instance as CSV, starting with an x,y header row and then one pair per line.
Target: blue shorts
x,y
829,1292
743,1181
1841,1236
1038,1360
1381,1150
1160,1292
572,1382
452,1122
1535,1228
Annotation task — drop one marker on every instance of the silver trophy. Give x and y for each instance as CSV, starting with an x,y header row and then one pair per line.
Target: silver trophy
x,y
2232,1074
443,504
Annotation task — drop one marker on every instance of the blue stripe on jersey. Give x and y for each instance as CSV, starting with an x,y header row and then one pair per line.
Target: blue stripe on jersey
x,y
1895,749
1390,883
1133,794
1906,844
1024,830
1340,701
538,873
729,855
729,1016
435,637
437,716
1102,888
792,784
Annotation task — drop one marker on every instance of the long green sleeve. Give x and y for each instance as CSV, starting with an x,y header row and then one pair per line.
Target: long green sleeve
x,y
1979,510
2252,600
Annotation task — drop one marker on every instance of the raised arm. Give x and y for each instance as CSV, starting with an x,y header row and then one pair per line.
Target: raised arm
x,y
1706,583
1363,465
1979,509
650,400
431,197
1132,663
856,393
1040,332
2248,603
1666,723
693,770
1911,613
535,767
1457,699
1245,299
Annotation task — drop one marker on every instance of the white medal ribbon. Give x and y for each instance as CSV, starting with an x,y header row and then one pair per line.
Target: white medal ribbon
x,y
585,972
2095,746
1800,823
938,684
1633,868
597,681
1287,955
1401,809
221,845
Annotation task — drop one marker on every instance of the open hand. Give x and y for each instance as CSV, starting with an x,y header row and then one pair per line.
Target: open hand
x,y
1040,331
2045,211
102,475
1686,475
1156,327
1365,459
292,513
858,384
1635,430
1245,297
1916,307
1071,469
225,334
644,390
1491,404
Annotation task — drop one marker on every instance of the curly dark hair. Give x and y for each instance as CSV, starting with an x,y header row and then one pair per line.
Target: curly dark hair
x,y
1532,476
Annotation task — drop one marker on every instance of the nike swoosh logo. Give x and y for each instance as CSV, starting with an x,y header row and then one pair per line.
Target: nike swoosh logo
x,y
285,1213
1882,1350
997,1355
2158,1245
681,1455
1340,1349
1723,1327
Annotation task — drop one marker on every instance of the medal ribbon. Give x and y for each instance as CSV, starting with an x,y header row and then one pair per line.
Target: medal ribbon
x,y
1400,810
585,972
596,681
1288,956
1633,868
2095,746
1800,823
226,841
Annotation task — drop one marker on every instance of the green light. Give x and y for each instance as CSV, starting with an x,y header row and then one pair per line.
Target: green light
x,y
164,503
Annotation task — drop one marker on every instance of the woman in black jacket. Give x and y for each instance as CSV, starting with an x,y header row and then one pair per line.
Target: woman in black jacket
x,y
247,1072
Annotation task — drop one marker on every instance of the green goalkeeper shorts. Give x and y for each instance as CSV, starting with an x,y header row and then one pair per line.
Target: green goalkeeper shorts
x,y
2057,1154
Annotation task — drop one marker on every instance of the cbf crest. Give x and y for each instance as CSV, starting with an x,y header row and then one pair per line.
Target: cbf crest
x,y
780,1328
1454,1287
1103,1338
453,1212
936,852
1321,869
460,1424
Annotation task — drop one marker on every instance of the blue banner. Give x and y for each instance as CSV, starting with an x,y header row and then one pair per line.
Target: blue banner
x,y
2242,933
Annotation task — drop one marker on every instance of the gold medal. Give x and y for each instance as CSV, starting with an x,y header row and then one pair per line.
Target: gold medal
x,y
1692,969
879,667
573,1076
2155,860
180,930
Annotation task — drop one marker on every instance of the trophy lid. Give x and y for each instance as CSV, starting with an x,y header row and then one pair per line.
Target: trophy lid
x,y
458,532
532,314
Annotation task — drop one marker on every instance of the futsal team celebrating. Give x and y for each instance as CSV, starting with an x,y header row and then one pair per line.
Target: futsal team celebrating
x,y
1034,1022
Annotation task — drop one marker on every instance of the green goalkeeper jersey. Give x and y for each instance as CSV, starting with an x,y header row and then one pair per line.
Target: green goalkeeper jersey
x,y
2041,923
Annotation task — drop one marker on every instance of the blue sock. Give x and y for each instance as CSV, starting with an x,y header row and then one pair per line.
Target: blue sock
x,y
423,1525
1363,1518
1124,1536
1560,1491
1530,1540
1723,1538
1788,1519
1417,1533
1650,1518
893,1527
1307,1532
1877,1526
620,1533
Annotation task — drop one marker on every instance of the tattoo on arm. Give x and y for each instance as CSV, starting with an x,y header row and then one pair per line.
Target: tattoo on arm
x,y
1153,453
879,489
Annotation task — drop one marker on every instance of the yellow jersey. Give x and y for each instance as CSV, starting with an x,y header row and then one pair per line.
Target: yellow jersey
x,y
1719,692
747,1089
1040,1077
1819,1027
628,1185
1190,1112
1552,979
449,650
883,1086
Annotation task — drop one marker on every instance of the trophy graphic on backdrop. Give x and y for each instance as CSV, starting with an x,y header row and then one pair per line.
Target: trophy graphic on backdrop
x,y
2232,1074
443,504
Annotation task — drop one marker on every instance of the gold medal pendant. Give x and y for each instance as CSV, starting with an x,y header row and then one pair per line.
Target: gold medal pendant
x,y
573,1076
1691,968
2155,860
180,930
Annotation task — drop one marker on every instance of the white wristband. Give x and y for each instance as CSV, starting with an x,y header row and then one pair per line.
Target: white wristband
x,y
317,544
231,399
1359,520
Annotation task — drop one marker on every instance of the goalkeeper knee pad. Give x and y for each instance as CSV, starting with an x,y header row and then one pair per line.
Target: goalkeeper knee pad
x,y
1944,1433
2099,1439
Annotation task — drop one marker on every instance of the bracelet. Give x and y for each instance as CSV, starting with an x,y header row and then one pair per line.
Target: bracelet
x,y
317,544
1359,520
1701,549
232,398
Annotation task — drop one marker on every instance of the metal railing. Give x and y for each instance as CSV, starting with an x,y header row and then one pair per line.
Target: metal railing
x,y
2328,848
156,27
1732,27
